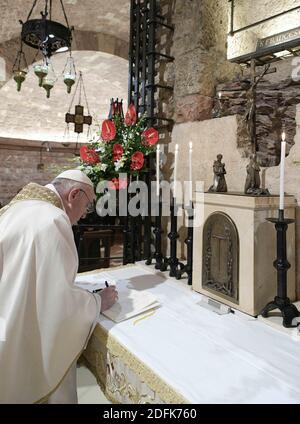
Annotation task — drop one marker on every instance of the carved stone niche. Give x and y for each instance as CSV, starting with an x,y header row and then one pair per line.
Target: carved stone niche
x,y
235,247
220,259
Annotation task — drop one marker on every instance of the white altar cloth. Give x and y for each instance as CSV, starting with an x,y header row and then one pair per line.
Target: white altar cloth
x,y
206,357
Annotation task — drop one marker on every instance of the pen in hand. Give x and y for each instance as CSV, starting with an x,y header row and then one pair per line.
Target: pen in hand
x,y
98,290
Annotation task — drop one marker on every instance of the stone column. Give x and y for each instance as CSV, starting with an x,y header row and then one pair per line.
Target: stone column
x,y
199,47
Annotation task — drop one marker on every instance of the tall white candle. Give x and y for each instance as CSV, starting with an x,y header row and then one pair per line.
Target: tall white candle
x,y
157,169
190,172
282,162
175,170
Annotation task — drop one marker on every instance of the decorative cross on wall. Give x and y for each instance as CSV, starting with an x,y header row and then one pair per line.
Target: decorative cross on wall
x,y
78,119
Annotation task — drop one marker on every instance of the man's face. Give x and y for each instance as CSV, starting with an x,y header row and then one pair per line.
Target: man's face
x,y
80,203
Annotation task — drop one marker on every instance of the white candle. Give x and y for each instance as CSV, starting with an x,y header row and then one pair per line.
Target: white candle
x,y
190,172
175,169
282,161
157,169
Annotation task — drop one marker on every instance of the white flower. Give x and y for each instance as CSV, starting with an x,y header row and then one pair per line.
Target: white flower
x,y
103,167
118,164
101,148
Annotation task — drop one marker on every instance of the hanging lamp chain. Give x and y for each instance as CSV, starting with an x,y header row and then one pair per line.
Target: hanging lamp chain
x,y
33,6
64,12
46,10
80,87
72,101
84,92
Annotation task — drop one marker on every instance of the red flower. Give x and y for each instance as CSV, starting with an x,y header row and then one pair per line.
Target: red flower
x,y
150,137
117,183
137,161
109,130
117,152
89,155
130,117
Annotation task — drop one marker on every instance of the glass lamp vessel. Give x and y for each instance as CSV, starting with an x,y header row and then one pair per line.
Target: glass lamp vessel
x,y
69,73
41,71
49,80
20,68
19,77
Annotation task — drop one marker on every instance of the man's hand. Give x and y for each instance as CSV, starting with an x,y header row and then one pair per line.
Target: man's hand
x,y
109,296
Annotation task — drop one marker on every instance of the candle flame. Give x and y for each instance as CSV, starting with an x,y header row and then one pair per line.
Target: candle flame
x,y
191,145
283,136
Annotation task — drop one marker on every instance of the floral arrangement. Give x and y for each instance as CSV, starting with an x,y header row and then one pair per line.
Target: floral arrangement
x,y
120,147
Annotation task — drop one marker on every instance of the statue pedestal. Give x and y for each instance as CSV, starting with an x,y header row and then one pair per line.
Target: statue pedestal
x,y
235,247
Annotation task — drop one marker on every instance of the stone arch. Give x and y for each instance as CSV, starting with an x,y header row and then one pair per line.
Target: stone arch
x,y
82,40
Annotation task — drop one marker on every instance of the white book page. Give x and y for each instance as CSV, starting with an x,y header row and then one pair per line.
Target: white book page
x,y
131,303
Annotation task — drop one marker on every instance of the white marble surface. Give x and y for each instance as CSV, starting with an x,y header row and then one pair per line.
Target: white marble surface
x,y
206,357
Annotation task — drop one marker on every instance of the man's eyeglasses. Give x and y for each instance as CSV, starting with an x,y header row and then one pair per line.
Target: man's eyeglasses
x,y
91,206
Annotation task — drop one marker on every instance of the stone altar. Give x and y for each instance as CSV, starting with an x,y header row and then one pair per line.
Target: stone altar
x,y
240,272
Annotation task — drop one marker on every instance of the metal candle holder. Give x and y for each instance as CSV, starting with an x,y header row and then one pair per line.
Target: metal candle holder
x,y
188,268
281,301
157,256
172,262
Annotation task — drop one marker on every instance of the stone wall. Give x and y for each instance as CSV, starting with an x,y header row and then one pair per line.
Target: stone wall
x,y
275,108
245,13
220,135
199,48
19,167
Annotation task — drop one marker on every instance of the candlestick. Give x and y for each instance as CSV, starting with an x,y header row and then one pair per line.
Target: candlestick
x,y
190,172
157,169
175,170
282,163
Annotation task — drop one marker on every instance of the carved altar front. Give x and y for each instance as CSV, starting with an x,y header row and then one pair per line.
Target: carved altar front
x,y
235,247
220,259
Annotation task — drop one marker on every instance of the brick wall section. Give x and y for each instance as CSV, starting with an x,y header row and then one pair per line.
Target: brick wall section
x,y
18,167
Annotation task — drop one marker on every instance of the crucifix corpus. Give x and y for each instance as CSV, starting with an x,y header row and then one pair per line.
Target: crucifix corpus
x,y
250,114
253,181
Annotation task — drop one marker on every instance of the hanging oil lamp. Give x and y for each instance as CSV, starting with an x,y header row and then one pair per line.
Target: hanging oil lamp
x,y
50,79
20,68
69,73
41,71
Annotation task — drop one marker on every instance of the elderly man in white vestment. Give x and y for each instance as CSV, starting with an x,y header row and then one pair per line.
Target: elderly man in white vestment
x,y
48,319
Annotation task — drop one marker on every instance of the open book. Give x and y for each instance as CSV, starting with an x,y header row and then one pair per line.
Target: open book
x,y
131,302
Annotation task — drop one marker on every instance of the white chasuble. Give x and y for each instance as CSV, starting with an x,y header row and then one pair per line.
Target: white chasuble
x,y
48,320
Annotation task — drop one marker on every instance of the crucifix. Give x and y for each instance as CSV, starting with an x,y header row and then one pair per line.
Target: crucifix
x,y
250,114
78,119
253,181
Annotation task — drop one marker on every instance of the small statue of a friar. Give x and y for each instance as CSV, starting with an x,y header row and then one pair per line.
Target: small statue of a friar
x,y
219,184
252,184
